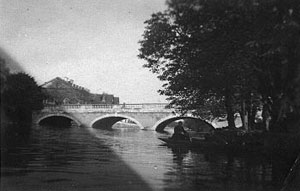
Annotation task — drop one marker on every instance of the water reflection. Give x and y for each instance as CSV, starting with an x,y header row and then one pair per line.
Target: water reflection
x,y
219,171
127,158
189,169
65,159
12,142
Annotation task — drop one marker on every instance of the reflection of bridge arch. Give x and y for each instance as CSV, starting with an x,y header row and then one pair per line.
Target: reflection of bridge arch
x,y
107,121
161,124
59,115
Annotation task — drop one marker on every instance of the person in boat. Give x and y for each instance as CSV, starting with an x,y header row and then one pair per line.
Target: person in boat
x,y
180,133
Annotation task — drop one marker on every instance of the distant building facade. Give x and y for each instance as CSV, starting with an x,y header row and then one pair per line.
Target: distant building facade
x,y
64,91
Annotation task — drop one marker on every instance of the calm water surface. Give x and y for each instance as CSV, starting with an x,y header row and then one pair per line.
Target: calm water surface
x,y
124,159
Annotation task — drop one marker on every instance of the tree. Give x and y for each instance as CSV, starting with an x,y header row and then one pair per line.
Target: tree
x,y
21,96
225,53
192,46
276,44
4,73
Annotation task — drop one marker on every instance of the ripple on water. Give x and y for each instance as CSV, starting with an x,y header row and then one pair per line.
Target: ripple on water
x,y
92,158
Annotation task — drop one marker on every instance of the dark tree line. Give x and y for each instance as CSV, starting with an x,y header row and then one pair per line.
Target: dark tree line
x,y
20,96
228,56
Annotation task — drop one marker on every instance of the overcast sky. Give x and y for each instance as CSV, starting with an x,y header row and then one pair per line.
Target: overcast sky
x,y
93,42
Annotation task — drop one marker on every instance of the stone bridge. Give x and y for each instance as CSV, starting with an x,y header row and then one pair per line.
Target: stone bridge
x,y
146,116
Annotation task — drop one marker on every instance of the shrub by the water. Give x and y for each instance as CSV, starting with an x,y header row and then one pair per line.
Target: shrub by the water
x,y
21,95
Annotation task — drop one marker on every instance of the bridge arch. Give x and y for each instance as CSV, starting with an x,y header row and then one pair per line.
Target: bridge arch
x,y
161,124
107,121
59,115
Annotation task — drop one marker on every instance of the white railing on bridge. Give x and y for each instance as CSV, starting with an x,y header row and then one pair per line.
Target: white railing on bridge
x,y
108,107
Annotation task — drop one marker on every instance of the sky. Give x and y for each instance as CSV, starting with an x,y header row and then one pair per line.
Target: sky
x,y
93,42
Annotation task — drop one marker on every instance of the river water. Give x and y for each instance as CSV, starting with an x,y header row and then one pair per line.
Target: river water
x,y
124,159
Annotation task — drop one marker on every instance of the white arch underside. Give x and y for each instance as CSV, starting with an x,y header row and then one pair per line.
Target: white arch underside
x,y
174,118
114,116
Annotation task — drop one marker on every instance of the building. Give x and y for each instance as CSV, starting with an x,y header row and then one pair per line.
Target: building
x,y
64,91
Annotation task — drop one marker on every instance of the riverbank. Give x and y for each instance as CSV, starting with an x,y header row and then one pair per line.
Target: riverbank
x,y
282,149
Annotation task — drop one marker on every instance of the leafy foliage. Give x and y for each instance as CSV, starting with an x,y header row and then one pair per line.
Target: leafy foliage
x,y
214,55
21,96
4,73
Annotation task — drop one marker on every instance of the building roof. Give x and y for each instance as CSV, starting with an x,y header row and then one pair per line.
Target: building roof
x,y
61,89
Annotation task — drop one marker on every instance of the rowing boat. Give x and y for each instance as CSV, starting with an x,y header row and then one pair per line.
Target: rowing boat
x,y
173,142
193,142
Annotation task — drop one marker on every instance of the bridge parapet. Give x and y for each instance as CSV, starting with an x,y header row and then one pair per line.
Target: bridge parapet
x,y
158,107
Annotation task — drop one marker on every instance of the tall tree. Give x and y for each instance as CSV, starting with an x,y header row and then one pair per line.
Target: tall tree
x,y
277,44
225,52
193,46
